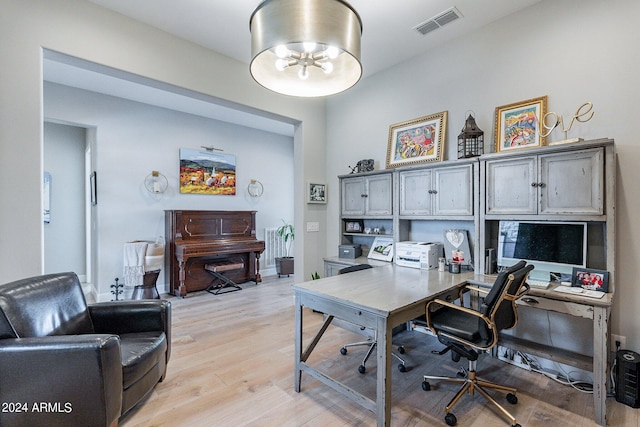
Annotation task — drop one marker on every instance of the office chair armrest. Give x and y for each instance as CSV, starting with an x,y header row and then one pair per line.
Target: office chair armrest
x,y
477,289
456,307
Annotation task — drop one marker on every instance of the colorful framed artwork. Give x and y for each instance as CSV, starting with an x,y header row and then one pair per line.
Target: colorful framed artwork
x,y
316,192
517,125
416,141
207,172
590,279
382,249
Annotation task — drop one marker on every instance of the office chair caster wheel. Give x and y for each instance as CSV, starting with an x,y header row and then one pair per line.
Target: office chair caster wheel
x,y
401,350
426,386
362,369
402,368
512,398
450,419
343,351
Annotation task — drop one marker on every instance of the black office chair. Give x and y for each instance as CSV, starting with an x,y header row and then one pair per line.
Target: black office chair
x,y
465,331
371,342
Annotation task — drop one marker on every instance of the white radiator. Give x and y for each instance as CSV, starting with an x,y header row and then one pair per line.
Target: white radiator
x,y
274,247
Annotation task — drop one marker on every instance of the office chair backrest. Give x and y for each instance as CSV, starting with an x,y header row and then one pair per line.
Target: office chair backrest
x,y
499,304
499,284
353,268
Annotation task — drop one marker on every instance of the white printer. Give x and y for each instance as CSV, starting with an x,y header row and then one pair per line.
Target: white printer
x,y
423,255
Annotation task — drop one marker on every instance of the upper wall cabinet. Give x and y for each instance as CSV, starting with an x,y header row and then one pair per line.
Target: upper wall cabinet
x,y
369,195
567,183
441,191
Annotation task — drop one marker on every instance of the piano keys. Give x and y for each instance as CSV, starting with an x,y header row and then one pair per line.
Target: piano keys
x,y
196,238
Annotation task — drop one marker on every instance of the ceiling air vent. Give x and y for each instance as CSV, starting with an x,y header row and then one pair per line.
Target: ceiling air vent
x,y
438,21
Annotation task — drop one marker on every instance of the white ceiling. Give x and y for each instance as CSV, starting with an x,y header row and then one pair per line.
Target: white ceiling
x,y
388,38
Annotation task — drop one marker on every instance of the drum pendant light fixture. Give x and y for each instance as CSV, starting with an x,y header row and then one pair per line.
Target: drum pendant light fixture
x,y
305,48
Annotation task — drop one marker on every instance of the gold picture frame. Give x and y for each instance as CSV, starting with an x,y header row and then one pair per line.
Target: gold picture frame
x,y
518,125
420,140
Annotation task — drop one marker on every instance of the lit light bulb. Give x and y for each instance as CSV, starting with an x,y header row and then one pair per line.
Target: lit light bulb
x,y
282,51
327,67
332,52
303,73
281,64
309,46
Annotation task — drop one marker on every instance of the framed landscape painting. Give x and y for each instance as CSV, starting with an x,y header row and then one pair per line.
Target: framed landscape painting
x,y
416,141
207,173
517,125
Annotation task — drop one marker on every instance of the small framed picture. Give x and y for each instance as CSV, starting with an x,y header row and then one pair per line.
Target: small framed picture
x,y
590,279
316,192
382,249
353,226
517,125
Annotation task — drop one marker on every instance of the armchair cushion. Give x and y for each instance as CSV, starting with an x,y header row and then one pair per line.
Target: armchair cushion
x,y
139,353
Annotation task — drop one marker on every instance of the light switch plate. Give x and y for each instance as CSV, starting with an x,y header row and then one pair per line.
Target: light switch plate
x,y
313,226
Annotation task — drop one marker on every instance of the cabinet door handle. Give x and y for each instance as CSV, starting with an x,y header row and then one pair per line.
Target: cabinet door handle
x,y
534,184
363,195
435,191
541,184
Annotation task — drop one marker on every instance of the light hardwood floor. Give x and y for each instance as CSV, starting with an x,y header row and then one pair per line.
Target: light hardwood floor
x,y
232,365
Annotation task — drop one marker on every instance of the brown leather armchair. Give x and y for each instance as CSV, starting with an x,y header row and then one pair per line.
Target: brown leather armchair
x,y
63,362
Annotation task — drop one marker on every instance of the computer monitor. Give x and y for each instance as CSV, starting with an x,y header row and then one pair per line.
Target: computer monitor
x,y
552,247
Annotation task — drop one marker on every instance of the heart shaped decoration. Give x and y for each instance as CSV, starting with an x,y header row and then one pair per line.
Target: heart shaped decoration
x,y
455,237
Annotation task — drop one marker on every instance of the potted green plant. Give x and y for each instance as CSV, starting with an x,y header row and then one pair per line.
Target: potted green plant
x,y
284,265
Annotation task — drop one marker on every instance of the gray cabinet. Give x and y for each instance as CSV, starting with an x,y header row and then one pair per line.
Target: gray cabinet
x,y
443,191
568,183
367,195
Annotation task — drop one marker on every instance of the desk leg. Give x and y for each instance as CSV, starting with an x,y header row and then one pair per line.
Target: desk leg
x,y
298,346
600,362
383,386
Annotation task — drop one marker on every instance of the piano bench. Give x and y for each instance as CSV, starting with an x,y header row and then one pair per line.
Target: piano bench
x,y
217,269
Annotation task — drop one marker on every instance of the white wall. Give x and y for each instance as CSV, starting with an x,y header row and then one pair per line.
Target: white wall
x,y
573,51
64,236
83,30
134,138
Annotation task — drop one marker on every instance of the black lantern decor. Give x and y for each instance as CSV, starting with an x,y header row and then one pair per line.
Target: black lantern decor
x,y
470,140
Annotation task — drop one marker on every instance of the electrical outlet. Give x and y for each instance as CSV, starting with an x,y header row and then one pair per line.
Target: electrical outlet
x,y
618,338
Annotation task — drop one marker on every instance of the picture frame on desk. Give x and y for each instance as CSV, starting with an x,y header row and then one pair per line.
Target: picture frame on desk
x,y
382,249
353,226
590,279
518,125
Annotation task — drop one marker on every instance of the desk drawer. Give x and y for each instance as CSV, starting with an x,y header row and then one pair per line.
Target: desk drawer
x,y
572,308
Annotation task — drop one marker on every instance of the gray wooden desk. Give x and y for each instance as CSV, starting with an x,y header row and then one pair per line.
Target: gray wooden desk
x,y
378,298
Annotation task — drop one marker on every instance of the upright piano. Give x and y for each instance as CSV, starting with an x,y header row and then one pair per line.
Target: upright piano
x,y
196,238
